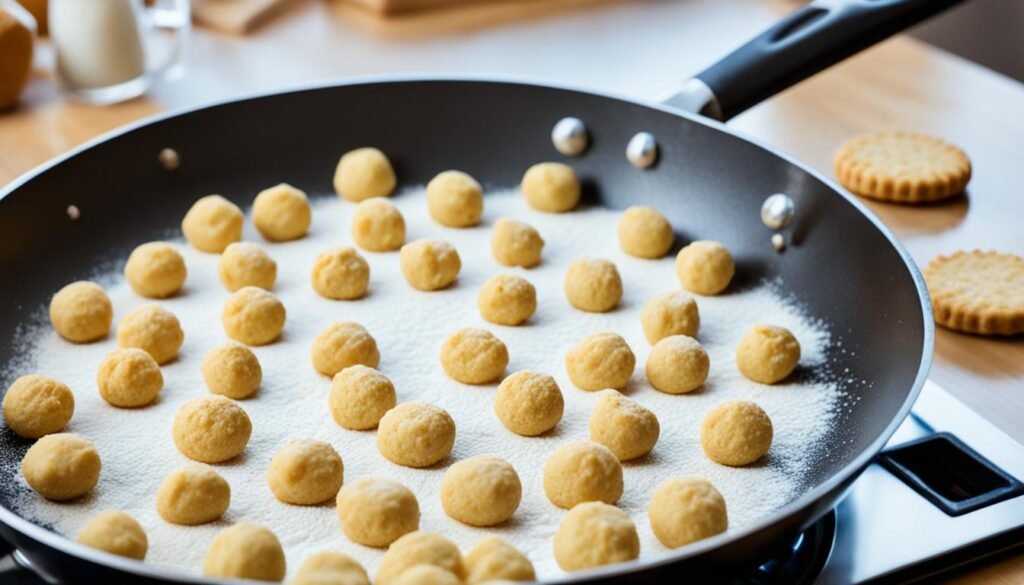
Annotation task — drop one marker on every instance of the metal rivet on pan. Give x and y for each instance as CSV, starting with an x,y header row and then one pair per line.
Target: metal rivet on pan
x,y
777,211
169,159
570,136
778,242
642,150
74,213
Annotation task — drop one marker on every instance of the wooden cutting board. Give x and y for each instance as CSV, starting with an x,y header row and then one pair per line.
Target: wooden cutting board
x,y
398,6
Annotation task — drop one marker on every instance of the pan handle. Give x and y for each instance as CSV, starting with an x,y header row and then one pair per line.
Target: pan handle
x,y
808,40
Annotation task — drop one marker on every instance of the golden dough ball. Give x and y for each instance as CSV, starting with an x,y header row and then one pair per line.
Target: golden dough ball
x,y
455,199
61,466
364,173
193,495
340,274
35,406
154,330
481,491
375,512
677,364
330,567
599,361
419,548
245,551
246,264
232,370
705,267
645,233
359,397
593,285
155,270
429,265
551,187
211,429
305,472
117,533
507,299
516,243
736,433
129,378
767,354
474,356
686,509
493,559
582,471
253,316
623,425
342,345
426,575
281,213
529,403
416,434
594,534
378,226
81,312
212,223
671,313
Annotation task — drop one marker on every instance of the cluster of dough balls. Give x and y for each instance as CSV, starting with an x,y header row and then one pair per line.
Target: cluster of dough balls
x,y
645,233
211,429
154,330
342,345
594,534
340,274
212,223
61,466
375,511
529,403
507,299
232,370
623,425
193,495
155,270
35,406
129,378
767,354
419,548
705,267
378,226
686,509
330,567
245,264
117,533
677,364
599,361
474,356
253,316
582,471
416,434
360,396
305,472
593,285
81,312
429,265
481,491
364,173
515,243
281,213
494,560
245,551
551,187
736,433
455,199
671,313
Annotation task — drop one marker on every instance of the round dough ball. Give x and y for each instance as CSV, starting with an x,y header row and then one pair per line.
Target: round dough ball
x,y
330,567
671,313
375,512
117,533
593,534
416,434
364,173
481,491
474,356
281,213
677,365
582,471
245,551
493,559
767,354
419,548
253,316
340,274
35,406
429,265
599,361
427,575
736,433
246,264
193,495
305,472
705,267
378,226
232,370
623,425
129,378
211,429
593,285
686,509
61,466
342,345
515,243
507,299
155,270
455,199
645,233
154,330
212,223
81,312
551,187
529,403
359,397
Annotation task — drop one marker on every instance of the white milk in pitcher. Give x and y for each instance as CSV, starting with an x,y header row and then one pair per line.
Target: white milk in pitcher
x,y
97,42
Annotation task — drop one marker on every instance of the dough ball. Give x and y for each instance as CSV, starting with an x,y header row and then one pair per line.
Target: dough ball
x,y
507,300
427,575
212,223
281,213
245,551
493,559
767,354
474,356
704,267
671,313
515,243
599,361
593,534
375,512
455,199
416,434
340,274
81,312
481,491
623,425
419,548
364,173
193,495
677,365
582,471
211,429
155,270
330,568
129,378
645,233
342,345
154,330
378,226
246,264
232,370
593,284
61,466
253,316
551,186
736,433
305,472
685,510
36,405
429,265
359,397
117,533
529,403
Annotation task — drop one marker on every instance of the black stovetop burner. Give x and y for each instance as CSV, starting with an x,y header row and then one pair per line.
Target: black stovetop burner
x,y
801,562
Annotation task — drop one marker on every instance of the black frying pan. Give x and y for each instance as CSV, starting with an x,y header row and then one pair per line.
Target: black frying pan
x,y
841,263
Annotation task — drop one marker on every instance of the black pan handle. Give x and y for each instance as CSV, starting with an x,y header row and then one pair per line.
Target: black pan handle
x,y
810,39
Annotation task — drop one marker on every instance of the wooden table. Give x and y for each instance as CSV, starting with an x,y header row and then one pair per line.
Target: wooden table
x,y
645,50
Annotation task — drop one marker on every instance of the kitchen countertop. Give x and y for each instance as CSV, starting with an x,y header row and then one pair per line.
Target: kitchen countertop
x,y
643,50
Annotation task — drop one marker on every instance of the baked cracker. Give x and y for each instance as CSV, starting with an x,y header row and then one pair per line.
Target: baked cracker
x,y
978,292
